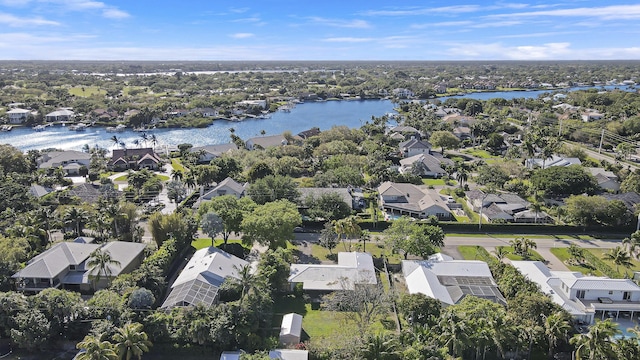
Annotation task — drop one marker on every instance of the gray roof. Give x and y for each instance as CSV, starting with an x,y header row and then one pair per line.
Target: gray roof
x,y
411,197
630,199
352,268
267,141
54,261
55,158
216,150
39,190
415,144
229,183
122,252
86,192
433,163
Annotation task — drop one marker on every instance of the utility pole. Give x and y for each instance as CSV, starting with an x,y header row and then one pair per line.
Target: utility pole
x,y
560,129
601,140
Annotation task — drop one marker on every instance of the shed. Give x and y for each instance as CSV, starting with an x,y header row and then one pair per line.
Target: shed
x,y
291,329
231,355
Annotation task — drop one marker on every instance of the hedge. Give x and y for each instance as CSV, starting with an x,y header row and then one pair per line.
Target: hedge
x,y
601,265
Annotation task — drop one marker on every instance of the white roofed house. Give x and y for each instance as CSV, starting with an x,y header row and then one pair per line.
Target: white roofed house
x,y
18,116
552,161
210,152
227,186
265,142
199,281
408,199
352,268
60,115
442,278
70,160
584,297
414,147
427,164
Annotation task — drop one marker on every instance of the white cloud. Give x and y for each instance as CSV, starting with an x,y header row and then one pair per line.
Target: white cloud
x,y
242,35
413,11
441,24
348,39
614,12
497,51
14,21
115,14
358,24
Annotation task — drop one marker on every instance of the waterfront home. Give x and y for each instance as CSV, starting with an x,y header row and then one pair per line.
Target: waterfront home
x,y
401,199
199,281
591,116
206,112
352,268
227,186
18,116
414,147
209,152
314,131
265,142
70,160
134,159
449,281
60,115
585,297
64,265
407,131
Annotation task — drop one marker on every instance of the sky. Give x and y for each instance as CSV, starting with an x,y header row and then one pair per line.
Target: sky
x,y
318,30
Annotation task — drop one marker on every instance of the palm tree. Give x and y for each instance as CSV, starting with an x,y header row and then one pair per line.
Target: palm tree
x,y
462,175
144,138
76,217
99,265
536,207
632,244
526,245
619,257
453,333
348,227
597,343
380,347
246,279
176,174
189,181
576,253
500,252
556,327
131,341
154,140
94,349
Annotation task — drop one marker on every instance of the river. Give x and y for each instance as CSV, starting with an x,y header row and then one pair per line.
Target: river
x,y
303,117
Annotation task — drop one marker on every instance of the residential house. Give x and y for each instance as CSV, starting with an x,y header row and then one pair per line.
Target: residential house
x,y
291,329
60,115
265,142
449,281
289,354
401,199
309,133
407,131
206,112
606,180
462,132
18,116
402,93
64,265
177,113
209,152
255,103
70,160
227,186
591,116
585,297
86,192
142,158
554,160
352,268
430,165
504,207
39,190
414,147
344,193
104,114
630,199
199,281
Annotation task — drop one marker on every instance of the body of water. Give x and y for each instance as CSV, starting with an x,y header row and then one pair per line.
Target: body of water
x,y
303,117
324,115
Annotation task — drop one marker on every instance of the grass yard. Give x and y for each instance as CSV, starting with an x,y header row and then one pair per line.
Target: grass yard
x,y
563,255
437,182
88,91
123,178
599,253
533,255
479,153
177,165
471,252
201,243
376,250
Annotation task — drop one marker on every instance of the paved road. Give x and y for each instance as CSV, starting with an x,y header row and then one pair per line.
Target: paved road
x,y
594,154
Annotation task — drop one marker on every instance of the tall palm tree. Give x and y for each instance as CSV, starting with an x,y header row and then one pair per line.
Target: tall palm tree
x,y
176,174
348,227
246,279
598,343
462,175
619,257
453,333
556,327
500,252
131,341
115,140
76,217
99,265
632,244
380,347
536,207
94,349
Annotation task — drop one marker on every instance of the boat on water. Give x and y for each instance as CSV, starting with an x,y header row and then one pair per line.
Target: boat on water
x,y
39,127
5,128
78,127
119,128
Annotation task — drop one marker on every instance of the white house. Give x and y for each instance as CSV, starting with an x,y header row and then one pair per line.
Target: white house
x,y
289,354
552,161
291,329
227,186
584,297
352,268
264,142
18,116
442,278
408,199
431,165
60,115
210,152
69,160
201,278
606,180
414,147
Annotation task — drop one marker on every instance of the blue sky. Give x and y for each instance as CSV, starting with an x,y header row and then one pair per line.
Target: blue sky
x,y
318,30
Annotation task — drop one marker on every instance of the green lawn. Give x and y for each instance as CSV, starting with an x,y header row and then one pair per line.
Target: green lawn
x,y
177,165
121,178
124,178
376,250
201,243
533,255
471,252
437,182
599,253
563,255
479,153
88,91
